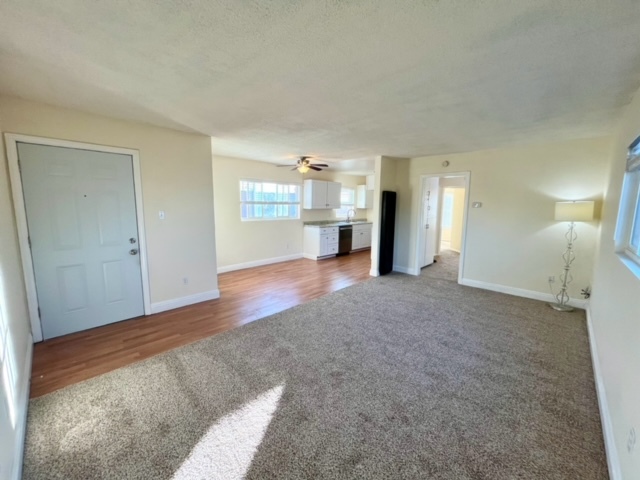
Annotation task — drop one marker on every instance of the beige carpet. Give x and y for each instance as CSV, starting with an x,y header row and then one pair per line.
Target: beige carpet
x,y
397,377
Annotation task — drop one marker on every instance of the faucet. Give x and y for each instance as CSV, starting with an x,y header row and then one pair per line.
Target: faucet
x,y
350,214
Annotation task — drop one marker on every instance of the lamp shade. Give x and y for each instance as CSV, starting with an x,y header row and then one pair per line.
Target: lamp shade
x,y
574,211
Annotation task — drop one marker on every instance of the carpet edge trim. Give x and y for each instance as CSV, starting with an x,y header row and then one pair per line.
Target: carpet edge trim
x,y
613,461
184,301
521,292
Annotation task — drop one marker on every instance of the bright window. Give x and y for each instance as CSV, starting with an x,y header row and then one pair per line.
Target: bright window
x,y
7,368
628,228
269,200
347,202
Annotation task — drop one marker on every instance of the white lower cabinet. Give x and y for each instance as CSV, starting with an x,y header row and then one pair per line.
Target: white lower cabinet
x,y
361,236
320,242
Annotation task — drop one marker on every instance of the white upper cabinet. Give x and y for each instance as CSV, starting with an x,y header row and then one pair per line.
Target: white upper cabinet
x,y
320,194
364,197
370,182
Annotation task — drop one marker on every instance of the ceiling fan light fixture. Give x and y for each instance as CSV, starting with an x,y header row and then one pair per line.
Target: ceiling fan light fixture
x,y
303,168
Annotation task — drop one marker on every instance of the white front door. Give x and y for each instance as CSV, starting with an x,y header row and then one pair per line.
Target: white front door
x,y
83,231
430,218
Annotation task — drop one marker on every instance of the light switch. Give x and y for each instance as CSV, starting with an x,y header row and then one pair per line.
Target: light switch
x,y
161,214
476,204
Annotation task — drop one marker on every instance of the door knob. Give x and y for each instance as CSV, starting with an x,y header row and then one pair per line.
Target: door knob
x,y
133,251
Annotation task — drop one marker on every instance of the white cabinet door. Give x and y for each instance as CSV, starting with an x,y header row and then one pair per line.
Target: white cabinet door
x,y
366,239
324,245
315,194
370,182
319,194
333,194
356,241
361,196
361,236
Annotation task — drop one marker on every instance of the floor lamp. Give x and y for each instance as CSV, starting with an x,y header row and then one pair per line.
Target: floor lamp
x,y
570,212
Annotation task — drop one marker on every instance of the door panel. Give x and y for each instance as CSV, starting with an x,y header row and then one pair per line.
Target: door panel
x,y
81,214
114,281
72,288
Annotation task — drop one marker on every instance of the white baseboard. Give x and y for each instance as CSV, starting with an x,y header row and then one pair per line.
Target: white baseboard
x,y
605,415
374,273
521,292
21,414
184,301
407,270
259,263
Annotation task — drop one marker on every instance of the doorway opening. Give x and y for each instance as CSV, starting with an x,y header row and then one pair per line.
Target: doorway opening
x,y
441,232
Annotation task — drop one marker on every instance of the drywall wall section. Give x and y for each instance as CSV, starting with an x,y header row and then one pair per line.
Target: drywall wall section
x,y
176,178
14,320
391,175
513,240
615,314
242,244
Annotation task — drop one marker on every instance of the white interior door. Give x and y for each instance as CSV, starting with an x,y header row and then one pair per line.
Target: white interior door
x,y
83,231
430,219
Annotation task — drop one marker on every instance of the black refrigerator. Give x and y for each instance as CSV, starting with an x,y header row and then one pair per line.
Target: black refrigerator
x,y
387,228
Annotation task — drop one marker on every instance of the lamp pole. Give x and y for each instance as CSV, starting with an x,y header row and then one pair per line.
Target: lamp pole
x,y
568,256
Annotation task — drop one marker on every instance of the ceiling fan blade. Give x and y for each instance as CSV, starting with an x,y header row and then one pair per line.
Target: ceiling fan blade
x,y
313,167
294,168
320,165
285,165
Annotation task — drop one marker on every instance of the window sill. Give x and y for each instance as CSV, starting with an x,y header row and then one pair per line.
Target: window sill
x,y
629,263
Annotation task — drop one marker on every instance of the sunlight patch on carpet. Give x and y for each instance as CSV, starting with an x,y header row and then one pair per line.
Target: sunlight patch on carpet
x,y
227,449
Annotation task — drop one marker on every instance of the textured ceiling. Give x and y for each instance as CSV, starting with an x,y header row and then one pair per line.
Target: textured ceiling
x,y
342,79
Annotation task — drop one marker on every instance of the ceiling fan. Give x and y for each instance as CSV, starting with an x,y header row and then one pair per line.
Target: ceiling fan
x,y
303,165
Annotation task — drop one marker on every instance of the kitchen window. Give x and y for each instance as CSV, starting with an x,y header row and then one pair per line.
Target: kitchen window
x,y
260,200
628,227
347,202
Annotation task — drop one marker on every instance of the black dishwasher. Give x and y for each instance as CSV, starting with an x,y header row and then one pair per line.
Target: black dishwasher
x,y
346,233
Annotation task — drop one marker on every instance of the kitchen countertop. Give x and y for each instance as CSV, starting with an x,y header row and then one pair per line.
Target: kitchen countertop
x,y
329,223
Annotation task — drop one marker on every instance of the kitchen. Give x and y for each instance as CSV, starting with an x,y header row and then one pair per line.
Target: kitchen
x,y
334,237
246,237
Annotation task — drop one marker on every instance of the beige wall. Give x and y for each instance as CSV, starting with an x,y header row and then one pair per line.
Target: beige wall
x,y
615,310
513,240
241,242
176,178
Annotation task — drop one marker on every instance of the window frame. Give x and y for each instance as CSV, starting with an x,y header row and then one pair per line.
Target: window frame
x,y
343,211
628,221
297,203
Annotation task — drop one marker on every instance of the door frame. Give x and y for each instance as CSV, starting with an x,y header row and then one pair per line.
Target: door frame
x,y
465,216
11,144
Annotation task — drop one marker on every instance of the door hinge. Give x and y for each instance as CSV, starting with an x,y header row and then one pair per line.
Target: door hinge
x,y
39,316
19,166
29,241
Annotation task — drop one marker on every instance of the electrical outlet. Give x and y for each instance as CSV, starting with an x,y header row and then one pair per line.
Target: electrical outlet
x,y
185,280
552,279
631,442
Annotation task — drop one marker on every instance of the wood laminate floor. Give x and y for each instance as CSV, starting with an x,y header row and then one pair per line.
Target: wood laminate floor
x,y
245,296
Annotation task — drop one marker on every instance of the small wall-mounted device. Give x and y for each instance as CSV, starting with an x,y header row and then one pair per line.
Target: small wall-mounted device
x,y
161,214
476,205
445,163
